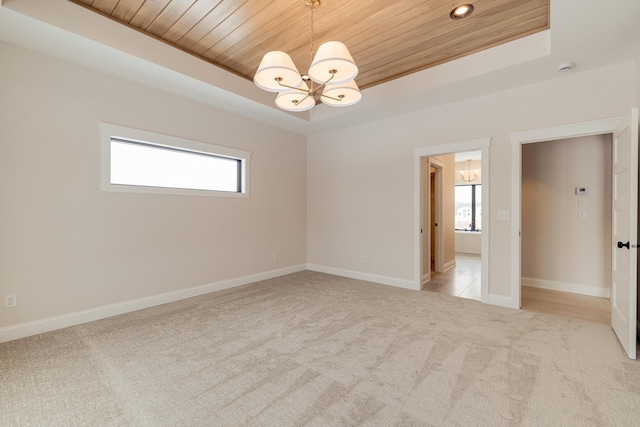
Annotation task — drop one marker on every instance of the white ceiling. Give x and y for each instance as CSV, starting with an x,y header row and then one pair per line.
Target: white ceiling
x,y
591,34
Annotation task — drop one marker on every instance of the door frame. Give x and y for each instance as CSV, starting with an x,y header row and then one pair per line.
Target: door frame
x,y
438,256
481,145
426,220
518,139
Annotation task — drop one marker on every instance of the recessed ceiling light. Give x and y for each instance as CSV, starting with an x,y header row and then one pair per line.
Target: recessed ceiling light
x,y
461,11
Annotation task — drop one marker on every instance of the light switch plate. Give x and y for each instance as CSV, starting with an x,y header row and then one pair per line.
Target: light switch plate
x,y
504,215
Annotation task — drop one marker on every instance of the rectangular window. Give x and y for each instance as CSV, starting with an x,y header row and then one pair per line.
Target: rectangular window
x,y
468,207
140,161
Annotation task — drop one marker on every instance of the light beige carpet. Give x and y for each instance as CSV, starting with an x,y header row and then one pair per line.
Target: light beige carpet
x,y
320,350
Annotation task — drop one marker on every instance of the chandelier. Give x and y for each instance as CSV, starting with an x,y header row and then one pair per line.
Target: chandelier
x,y
330,78
469,175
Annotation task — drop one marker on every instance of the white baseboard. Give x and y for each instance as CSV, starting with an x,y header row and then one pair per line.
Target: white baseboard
x,y
383,280
40,326
574,288
503,301
449,265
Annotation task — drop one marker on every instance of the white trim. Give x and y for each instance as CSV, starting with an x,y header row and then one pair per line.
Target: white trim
x,y
574,288
482,144
499,300
108,130
35,327
597,127
383,280
516,202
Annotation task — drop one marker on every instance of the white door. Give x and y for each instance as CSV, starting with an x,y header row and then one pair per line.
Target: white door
x,y
625,232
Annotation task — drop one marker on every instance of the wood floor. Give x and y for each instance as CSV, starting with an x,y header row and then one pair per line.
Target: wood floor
x,y
463,280
566,304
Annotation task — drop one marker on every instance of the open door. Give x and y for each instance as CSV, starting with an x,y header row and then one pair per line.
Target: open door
x,y
437,230
625,232
431,216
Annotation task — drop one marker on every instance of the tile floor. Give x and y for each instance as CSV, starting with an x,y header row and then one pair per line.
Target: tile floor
x,y
463,280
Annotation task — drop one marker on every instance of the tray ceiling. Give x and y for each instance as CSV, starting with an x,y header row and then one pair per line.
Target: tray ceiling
x,y
387,39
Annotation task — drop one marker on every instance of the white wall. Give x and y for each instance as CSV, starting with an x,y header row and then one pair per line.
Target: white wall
x,y
66,246
469,242
559,250
360,180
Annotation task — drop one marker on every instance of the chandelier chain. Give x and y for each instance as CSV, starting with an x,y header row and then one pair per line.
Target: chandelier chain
x,y
311,41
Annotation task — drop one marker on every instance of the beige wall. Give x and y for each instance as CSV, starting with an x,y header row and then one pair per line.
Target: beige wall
x,y
66,246
558,249
360,179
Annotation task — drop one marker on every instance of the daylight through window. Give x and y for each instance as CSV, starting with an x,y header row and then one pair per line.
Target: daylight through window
x,y
468,207
148,165
140,161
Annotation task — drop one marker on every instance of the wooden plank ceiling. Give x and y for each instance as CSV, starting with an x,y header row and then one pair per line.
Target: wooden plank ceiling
x,y
387,39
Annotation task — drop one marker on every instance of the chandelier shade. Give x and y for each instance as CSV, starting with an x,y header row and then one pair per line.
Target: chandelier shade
x,y
276,72
341,94
298,99
330,78
333,58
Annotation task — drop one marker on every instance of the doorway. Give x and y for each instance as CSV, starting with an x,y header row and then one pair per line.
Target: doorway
x,y
624,213
422,214
518,140
432,230
455,232
566,224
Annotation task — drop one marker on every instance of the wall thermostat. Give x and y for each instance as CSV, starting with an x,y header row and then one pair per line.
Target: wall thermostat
x,y
582,191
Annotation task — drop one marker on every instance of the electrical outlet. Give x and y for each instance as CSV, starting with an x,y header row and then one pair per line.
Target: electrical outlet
x,y
275,256
364,259
10,301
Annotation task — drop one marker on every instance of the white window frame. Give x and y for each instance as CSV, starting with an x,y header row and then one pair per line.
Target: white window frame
x,y
109,131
